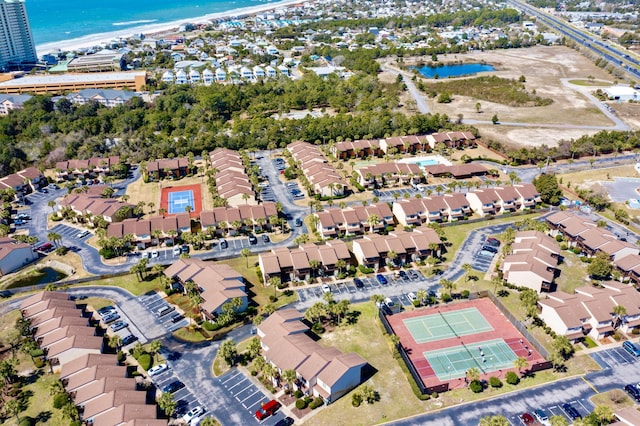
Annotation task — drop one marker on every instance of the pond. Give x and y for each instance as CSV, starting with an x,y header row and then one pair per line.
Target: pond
x,y
44,275
455,70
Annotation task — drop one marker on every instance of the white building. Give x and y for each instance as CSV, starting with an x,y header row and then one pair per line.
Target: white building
x,y
14,255
181,77
208,77
622,93
167,77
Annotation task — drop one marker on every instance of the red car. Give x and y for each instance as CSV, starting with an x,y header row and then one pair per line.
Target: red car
x,y
527,419
267,409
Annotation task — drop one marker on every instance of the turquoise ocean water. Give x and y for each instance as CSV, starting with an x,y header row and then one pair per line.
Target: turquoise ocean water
x,y
59,20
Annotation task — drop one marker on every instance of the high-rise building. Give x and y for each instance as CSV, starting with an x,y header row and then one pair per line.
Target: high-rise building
x,y
16,41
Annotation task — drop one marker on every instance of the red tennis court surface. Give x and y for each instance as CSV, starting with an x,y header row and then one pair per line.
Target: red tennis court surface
x,y
502,329
197,198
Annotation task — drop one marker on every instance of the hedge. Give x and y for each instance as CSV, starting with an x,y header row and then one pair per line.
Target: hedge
x,y
145,361
316,403
512,378
211,326
301,404
495,382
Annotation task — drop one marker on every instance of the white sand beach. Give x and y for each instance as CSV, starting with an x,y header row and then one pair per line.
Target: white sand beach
x,y
97,39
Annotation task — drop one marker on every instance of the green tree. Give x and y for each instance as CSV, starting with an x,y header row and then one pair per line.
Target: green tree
x,y
520,363
547,186
600,267
167,403
254,348
494,119
473,374
229,352
558,420
245,252
466,268
494,421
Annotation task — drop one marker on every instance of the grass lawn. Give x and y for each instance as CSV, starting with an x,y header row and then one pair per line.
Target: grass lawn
x,y
130,282
587,178
257,291
616,399
187,335
220,366
597,83
573,273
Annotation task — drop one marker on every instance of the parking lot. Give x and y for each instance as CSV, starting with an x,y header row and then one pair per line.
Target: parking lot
x,y
583,406
401,193
614,357
70,233
185,400
153,302
249,395
396,288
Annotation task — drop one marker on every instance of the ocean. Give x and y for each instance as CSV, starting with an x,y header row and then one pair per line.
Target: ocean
x,y
53,21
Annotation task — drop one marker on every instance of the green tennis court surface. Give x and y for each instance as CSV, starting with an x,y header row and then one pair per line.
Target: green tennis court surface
x,y
445,325
454,362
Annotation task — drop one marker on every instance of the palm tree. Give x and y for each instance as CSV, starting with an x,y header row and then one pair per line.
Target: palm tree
x,y
466,268
391,256
473,374
619,313
55,237
245,252
52,204
448,285
314,264
373,220
422,295
520,363
115,342
377,299
289,376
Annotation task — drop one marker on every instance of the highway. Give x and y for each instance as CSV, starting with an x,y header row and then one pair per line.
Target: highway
x,y
614,55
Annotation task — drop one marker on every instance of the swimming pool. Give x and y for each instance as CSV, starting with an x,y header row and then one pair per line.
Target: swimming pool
x,y
430,160
425,163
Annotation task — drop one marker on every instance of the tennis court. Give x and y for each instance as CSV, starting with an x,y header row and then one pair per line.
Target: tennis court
x,y
446,325
179,200
454,362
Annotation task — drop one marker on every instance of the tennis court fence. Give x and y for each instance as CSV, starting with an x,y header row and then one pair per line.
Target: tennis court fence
x,y
516,323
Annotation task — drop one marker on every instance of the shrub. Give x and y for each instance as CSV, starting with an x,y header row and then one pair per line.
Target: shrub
x,y
107,253
121,357
307,399
356,399
26,421
416,303
317,402
317,328
60,400
512,378
576,250
495,382
55,218
254,373
145,361
365,270
272,298
476,386
464,294
559,238
446,297
635,331
211,326
563,246
38,362
301,404
298,394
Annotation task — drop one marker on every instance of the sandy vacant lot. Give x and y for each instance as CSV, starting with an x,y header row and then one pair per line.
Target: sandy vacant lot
x,y
543,67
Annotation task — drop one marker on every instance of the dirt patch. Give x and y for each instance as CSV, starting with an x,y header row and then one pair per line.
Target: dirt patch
x,y
543,68
628,112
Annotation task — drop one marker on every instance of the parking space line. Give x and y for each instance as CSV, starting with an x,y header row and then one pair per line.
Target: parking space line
x,y
257,391
240,382
232,377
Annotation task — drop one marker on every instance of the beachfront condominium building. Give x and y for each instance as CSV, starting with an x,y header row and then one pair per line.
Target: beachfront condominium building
x,y
16,41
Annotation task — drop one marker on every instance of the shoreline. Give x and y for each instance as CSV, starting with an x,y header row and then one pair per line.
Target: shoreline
x,y
96,39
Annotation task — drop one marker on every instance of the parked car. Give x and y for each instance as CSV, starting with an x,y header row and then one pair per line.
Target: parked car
x,y
326,288
633,391
631,347
298,222
177,318
106,310
403,274
390,303
117,326
223,244
526,419
412,297
381,279
173,387
252,239
129,340
83,234
287,421
542,417
184,248
571,411
54,186
109,318
492,249
158,369
145,254
193,413
413,274
176,251
154,254
358,282
493,242
165,310
265,238
267,409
